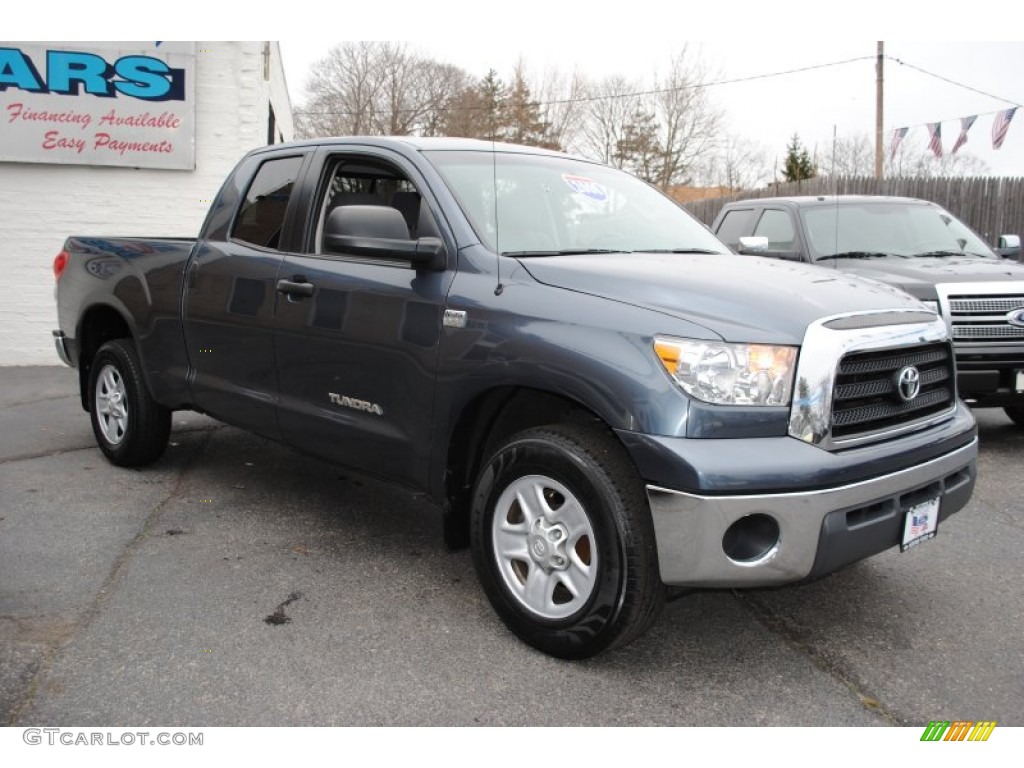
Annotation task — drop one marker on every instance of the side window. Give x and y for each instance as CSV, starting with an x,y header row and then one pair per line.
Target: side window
x,y
777,226
261,216
360,182
735,225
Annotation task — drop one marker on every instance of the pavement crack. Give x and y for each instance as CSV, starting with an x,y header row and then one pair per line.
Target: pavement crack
x,y
91,446
797,640
149,525
47,399
45,454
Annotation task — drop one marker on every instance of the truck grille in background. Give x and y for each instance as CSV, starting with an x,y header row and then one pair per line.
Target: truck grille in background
x,y
983,318
867,398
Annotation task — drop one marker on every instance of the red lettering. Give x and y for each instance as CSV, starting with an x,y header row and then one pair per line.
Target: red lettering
x,y
53,140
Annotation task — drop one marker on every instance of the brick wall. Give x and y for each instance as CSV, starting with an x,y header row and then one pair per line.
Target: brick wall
x,y
40,205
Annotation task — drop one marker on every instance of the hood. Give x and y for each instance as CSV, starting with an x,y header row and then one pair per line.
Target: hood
x,y
740,298
919,276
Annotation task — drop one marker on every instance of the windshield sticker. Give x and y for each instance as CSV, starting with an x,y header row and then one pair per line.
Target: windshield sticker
x,y
586,187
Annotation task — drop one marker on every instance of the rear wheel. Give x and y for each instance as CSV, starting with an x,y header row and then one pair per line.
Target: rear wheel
x,y
1016,414
563,542
130,427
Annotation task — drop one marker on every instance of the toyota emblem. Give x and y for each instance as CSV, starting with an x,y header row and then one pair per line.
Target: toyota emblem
x,y
908,383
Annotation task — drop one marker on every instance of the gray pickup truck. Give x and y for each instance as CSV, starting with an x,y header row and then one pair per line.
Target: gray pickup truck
x,y
602,400
919,247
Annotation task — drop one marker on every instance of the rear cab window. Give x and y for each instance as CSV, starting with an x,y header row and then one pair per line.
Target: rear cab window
x,y
260,218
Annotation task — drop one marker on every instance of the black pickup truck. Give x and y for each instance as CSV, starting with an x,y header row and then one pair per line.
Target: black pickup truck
x,y
919,247
603,401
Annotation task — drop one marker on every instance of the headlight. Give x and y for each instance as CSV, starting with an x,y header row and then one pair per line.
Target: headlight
x,y
730,374
932,305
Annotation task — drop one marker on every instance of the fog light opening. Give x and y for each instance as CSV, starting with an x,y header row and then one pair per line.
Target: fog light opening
x,y
751,540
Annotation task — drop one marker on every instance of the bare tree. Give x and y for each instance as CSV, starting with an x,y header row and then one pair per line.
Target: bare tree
x,y
344,91
688,120
735,163
369,87
611,106
916,160
562,105
854,155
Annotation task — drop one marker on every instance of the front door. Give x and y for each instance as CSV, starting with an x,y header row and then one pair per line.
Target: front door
x,y
357,350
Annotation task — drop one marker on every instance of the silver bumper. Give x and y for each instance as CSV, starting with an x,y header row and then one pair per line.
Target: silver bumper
x,y
690,528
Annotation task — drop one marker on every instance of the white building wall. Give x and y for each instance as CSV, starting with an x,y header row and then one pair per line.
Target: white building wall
x,y
41,205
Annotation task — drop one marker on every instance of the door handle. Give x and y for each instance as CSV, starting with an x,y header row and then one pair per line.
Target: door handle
x,y
295,288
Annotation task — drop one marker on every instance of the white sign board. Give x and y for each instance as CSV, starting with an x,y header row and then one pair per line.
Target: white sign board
x,y
125,104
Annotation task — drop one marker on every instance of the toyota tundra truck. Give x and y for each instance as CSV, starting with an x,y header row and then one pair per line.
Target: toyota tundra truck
x,y
919,247
605,403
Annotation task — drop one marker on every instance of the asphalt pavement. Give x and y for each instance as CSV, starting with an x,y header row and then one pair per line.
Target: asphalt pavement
x,y
238,582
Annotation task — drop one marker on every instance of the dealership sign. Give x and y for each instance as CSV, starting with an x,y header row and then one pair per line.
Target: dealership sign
x,y
128,104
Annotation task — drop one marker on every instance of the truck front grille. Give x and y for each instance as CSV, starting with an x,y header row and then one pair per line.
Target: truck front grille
x,y
983,318
867,395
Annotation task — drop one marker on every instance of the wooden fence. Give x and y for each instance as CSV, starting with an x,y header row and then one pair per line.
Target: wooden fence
x,y
990,206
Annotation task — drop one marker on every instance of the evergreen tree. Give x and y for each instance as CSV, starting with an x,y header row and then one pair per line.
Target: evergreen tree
x,y
639,151
521,119
798,165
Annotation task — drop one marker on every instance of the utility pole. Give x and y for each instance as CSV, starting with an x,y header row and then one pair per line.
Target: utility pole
x,y
878,109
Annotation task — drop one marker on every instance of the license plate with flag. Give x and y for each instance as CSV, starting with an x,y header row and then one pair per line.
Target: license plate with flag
x,y
920,524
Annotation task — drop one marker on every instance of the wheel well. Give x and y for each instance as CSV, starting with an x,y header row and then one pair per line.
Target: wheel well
x,y
99,325
483,424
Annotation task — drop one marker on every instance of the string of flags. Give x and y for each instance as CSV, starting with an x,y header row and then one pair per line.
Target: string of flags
x,y
1000,125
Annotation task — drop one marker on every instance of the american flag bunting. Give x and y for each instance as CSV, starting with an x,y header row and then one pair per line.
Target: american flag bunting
x,y
965,126
935,145
1000,125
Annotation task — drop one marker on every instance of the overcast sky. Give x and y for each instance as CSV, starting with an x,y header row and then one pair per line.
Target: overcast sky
x,y
771,110
634,37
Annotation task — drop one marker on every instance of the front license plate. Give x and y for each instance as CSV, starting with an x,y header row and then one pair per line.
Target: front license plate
x,y
921,523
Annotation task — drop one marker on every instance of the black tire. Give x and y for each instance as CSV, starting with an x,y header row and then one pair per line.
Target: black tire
x,y
607,553
1016,414
130,427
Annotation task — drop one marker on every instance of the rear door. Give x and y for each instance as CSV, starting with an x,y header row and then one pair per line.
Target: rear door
x,y
229,303
357,349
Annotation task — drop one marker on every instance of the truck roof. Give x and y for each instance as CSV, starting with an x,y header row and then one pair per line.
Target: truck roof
x,y
421,143
806,201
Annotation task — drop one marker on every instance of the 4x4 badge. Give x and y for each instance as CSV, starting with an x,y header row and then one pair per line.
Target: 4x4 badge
x,y
454,318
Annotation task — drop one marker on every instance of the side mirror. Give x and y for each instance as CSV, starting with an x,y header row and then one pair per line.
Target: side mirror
x,y
753,245
1009,247
425,253
380,232
758,246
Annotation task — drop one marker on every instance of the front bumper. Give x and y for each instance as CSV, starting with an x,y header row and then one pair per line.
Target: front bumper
x,y
817,531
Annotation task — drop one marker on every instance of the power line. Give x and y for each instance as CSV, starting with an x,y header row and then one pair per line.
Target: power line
x,y
602,97
954,82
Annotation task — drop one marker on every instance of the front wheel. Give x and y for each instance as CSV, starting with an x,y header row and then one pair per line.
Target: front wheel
x,y
130,427
563,542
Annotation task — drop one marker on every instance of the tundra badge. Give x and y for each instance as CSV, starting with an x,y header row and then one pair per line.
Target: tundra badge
x,y
359,405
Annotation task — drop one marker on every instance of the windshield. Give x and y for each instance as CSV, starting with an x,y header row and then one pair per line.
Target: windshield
x,y
896,229
548,205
